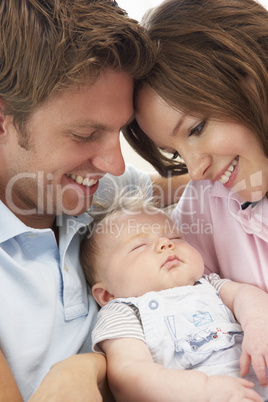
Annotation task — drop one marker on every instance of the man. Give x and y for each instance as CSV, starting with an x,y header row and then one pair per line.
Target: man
x,y
67,69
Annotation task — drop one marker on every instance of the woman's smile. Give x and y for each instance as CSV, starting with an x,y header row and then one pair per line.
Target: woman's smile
x,y
229,173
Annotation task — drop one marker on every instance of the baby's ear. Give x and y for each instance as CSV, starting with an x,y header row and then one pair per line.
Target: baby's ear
x,y
100,294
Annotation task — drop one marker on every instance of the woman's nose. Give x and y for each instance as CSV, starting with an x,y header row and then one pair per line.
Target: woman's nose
x,y
197,166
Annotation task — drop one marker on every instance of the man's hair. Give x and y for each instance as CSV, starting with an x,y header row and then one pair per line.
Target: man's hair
x,y
49,45
104,212
213,63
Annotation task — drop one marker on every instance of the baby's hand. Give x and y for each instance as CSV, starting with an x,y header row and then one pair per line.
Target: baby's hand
x,y
230,389
255,349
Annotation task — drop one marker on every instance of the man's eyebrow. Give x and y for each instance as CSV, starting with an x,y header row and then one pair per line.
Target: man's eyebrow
x,y
178,125
89,125
97,126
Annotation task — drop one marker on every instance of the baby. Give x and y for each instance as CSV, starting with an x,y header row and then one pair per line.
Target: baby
x,y
169,332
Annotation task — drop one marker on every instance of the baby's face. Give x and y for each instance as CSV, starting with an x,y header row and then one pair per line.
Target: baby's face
x,y
145,252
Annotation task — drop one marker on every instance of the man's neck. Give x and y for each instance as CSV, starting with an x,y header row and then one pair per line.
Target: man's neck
x,y
38,221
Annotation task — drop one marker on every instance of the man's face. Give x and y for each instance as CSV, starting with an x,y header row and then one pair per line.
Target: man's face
x,y
74,142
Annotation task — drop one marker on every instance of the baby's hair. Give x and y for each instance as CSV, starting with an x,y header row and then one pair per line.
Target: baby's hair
x,y
103,211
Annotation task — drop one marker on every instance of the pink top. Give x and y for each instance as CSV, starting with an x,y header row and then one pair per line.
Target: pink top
x,y
233,242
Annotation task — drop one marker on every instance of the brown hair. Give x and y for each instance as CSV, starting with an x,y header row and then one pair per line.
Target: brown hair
x,y
213,63
47,46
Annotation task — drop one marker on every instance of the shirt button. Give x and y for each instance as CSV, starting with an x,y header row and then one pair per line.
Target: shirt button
x,y
66,269
153,304
32,236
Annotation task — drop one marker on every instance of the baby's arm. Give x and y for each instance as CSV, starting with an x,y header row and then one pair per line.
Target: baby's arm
x,y
250,306
133,376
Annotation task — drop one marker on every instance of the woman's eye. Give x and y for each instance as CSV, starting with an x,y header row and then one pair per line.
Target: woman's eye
x,y
197,130
175,155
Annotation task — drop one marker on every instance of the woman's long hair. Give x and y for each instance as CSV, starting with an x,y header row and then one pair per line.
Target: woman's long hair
x,y
212,62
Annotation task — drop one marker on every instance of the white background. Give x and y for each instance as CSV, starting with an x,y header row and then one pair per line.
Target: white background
x,y
136,9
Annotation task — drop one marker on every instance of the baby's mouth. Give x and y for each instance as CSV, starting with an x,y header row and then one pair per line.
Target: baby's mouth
x,y
172,260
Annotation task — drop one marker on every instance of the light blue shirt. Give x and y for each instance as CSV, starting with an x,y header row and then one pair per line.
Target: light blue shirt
x,y
46,311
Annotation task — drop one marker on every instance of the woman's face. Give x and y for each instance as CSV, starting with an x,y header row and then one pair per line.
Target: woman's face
x,y
212,150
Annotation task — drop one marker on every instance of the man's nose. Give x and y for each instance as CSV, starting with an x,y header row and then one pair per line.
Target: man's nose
x,y
109,159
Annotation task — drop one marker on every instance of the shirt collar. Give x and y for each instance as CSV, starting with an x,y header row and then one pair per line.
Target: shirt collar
x,y
11,226
219,190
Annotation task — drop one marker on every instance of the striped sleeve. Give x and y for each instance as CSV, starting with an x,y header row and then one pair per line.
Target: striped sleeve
x,y
215,281
116,320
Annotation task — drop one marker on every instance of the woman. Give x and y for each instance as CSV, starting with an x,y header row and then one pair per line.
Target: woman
x,y
206,100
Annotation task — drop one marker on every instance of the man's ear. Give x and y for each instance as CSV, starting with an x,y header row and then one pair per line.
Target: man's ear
x,y
3,118
100,294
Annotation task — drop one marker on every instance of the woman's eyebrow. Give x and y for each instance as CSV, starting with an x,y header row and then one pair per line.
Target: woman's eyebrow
x,y
178,125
